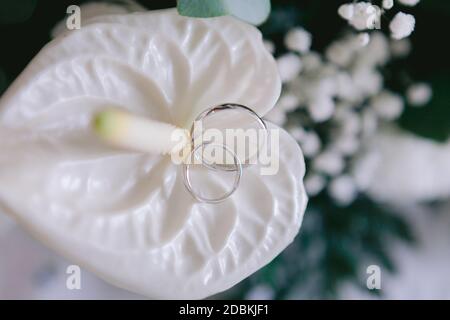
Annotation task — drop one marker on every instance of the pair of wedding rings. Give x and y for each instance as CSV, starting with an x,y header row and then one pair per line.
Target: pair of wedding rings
x,y
237,165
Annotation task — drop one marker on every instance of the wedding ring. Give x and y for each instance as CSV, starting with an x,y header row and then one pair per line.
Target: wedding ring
x,y
228,106
237,165
199,197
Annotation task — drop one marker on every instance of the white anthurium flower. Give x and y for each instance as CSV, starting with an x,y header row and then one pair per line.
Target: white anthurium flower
x,y
400,167
126,215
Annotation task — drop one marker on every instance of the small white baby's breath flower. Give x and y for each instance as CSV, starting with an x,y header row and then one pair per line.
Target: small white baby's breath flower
x,y
289,66
321,109
329,162
314,183
363,169
367,80
387,105
311,61
369,122
340,53
260,292
298,39
388,4
402,25
400,48
310,144
346,11
346,144
419,94
348,120
343,190
410,3
363,39
365,16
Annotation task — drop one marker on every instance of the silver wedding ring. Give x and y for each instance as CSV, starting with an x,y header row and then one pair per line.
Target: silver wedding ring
x,y
237,165
199,197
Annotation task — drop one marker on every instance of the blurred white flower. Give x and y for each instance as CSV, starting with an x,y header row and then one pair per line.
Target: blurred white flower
x,y
409,2
409,168
346,11
365,16
260,292
343,190
402,25
289,66
340,52
388,4
345,88
298,39
367,80
321,108
369,122
349,120
387,105
314,184
311,61
346,144
376,53
400,48
419,94
363,170
363,39
310,144
329,162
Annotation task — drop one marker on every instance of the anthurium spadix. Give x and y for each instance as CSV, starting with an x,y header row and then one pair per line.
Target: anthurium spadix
x,y
125,214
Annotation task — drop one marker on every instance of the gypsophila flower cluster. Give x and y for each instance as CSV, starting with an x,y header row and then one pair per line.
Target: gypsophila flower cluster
x,y
332,103
365,15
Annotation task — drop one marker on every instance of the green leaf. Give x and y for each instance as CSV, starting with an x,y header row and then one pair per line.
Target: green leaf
x,y
252,11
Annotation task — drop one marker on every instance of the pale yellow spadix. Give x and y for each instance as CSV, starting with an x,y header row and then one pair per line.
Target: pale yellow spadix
x,y
125,130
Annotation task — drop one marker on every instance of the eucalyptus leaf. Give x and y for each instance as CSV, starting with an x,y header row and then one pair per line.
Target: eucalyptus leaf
x,y
252,11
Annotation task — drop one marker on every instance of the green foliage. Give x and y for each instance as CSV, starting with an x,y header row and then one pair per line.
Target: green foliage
x,y
16,11
335,245
252,11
